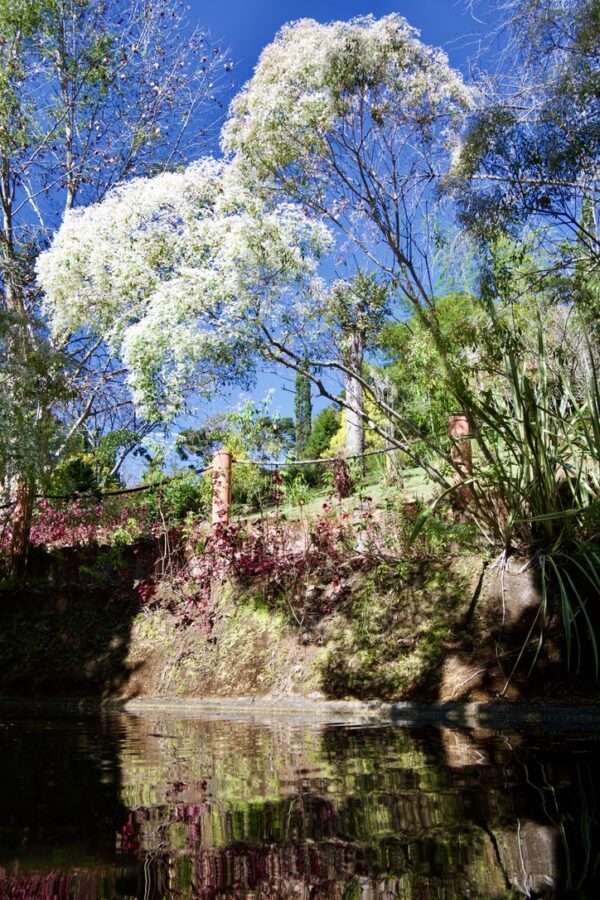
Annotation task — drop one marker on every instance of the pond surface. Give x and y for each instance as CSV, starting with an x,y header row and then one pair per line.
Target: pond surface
x,y
160,806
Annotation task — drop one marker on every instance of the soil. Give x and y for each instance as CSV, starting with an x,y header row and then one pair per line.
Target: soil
x,y
435,631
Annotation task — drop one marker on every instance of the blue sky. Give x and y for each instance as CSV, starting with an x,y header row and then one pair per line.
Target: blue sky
x,y
246,26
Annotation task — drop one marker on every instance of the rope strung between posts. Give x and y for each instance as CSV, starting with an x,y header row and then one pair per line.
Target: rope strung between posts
x,y
311,462
100,494
223,460
132,490
271,463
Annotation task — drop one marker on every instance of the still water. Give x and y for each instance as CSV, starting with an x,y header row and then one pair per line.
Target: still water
x,y
160,806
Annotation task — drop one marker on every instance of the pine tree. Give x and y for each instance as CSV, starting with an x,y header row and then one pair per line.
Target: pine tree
x,y
303,412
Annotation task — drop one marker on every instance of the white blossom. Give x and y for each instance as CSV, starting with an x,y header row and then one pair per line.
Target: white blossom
x,y
177,273
313,75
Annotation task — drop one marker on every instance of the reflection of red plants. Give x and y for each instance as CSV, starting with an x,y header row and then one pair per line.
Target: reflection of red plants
x,y
148,828
54,885
129,840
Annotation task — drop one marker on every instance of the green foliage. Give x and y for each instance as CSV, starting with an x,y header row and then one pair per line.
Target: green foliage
x,y
536,464
542,149
258,432
514,359
303,413
201,443
536,479
76,474
88,467
585,281
295,490
249,431
325,426
359,306
423,392
31,379
388,639
187,494
252,487
91,93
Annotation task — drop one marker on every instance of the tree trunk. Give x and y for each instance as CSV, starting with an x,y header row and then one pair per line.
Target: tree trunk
x,y
355,424
19,345
20,526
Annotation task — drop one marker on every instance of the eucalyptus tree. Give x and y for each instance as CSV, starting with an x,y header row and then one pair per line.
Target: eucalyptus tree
x,y
348,125
362,124
531,156
191,277
91,92
355,310
355,121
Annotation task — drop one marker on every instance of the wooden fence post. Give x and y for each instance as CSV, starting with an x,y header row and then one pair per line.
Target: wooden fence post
x,y
221,481
461,453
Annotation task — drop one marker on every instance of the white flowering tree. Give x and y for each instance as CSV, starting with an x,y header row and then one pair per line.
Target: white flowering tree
x,y
183,275
91,93
355,121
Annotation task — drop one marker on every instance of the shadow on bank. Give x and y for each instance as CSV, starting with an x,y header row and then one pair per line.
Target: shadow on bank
x,y
428,630
454,631
65,627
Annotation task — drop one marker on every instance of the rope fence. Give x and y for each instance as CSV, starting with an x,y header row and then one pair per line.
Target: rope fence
x,y
224,460
117,493
293,463
267,463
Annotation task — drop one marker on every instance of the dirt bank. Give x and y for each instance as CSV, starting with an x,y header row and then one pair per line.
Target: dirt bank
x,y
427,630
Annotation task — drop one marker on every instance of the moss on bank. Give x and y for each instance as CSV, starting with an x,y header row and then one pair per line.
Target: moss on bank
x,y
390,637
240,654
419,629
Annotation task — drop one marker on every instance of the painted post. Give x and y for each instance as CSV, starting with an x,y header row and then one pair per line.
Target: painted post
x,y
221,480
461,453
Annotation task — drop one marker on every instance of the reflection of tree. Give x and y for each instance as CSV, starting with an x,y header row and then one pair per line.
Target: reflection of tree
x,y
362,806
222,809
387,804
60,788
75,885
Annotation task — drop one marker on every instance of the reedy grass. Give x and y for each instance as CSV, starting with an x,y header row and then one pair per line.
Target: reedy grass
x,y
536,480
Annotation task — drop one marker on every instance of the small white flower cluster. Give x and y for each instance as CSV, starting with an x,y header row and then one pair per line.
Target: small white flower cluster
x,y
313,75
175,272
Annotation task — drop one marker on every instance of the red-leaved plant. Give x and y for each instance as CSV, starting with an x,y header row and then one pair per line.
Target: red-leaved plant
x,y
284,557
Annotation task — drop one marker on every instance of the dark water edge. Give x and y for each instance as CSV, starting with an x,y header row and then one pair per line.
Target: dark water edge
x,y
496,715
103,804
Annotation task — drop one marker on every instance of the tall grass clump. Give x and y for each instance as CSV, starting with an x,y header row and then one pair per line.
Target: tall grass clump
x,y
536,470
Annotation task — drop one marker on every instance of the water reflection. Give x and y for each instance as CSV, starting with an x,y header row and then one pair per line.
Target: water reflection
x,y
159,806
